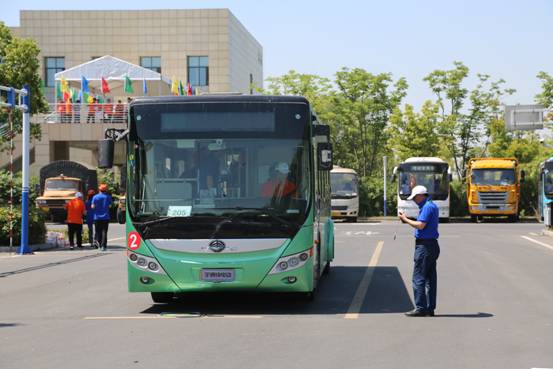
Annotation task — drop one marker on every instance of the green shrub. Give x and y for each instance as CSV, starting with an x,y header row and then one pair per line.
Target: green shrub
x,y
37,227
371,191
5,188
458,199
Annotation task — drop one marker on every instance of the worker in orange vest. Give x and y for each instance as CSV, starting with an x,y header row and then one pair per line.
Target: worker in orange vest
x,y
75,211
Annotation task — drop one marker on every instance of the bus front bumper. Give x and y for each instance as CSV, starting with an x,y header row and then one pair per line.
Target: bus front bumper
x,y
247,277
505,209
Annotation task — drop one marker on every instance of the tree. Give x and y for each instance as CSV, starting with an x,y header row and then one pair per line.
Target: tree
x,y
361,108
465,115
315,88
19,65
414,134
546,96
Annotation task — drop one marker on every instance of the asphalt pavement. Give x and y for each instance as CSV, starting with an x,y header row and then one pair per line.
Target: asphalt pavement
x,y
71,309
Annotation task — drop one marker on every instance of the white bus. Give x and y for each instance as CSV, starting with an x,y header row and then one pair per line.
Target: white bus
x,y
344,185
431,172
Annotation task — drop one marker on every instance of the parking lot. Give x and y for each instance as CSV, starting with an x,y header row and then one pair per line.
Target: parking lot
x,y
494,309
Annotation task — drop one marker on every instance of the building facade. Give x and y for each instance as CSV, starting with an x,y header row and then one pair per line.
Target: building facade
x,y
209,48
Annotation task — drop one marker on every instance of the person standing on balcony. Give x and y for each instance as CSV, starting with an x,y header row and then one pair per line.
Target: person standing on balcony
x,y
91,111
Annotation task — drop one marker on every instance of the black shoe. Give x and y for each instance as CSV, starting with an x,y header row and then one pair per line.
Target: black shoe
x,y
416,312
430,313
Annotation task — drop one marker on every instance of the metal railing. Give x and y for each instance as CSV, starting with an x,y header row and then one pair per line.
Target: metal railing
x,y
87,113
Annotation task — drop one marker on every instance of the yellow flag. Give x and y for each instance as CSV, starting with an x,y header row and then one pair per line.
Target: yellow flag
x,y
64,85
174,86
197,91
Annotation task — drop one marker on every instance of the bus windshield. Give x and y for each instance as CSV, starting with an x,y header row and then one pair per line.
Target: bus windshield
x,y
548,183
343,185
219,165
434,177
493,177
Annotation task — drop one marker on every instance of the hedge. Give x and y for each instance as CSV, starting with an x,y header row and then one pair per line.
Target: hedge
x,y
37,228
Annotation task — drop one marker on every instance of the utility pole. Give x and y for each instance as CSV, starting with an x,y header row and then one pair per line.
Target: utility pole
x,y
385,159
24,104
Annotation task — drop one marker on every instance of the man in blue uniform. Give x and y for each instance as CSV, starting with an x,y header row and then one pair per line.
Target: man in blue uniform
x,y
427,251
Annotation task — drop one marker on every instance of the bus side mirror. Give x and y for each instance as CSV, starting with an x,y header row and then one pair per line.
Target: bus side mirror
x,y
105,153
522,175
324,155
321,130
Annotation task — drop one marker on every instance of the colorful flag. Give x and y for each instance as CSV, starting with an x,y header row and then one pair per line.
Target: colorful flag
x,y
99,99
144,87
174,86
64,85
105,87
181,89
84,84
90,99
59,93
198,92
128,85
42,87
74,95
189,89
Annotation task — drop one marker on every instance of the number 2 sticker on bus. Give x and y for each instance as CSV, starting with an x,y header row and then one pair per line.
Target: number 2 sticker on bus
x,y
133,241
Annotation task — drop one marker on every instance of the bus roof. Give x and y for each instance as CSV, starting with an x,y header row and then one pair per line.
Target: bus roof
x,y
499,163
219,98
338,169
424,159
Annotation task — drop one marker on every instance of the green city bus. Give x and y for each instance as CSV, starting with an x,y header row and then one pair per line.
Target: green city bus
x,y
226,193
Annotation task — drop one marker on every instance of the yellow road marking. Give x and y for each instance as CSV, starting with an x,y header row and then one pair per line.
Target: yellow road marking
x,y
357,302
537,242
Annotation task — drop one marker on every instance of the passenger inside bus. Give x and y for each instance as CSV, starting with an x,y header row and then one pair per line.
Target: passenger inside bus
x,y
278,185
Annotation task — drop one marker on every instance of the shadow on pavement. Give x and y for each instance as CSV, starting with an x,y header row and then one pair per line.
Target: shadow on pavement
x,y
386,294
477,315
8,325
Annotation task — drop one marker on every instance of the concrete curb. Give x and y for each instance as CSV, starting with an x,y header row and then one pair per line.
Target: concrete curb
x,y
37,247
547,232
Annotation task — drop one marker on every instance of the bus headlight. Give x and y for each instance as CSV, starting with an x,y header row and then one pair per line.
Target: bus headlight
x,y
290,262
145,263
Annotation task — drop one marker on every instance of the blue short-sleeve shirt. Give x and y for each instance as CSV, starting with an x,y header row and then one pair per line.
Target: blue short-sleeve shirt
x,y
101,202
429,214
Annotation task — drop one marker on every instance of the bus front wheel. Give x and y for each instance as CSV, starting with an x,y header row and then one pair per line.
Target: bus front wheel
x,y
474,218
162,297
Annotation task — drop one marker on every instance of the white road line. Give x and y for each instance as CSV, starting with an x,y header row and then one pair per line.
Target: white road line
x,y
538,242
115,239
359,297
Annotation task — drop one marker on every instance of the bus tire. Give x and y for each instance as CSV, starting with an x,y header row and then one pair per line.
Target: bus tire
x,y
444,220
307,296
474,219
352,219
326,269
512,218
162,297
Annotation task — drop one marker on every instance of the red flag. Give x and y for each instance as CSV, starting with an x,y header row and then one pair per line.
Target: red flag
x,y
189,89
105,87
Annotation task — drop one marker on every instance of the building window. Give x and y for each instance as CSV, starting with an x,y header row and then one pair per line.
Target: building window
x,y
53,65
151,62
198,71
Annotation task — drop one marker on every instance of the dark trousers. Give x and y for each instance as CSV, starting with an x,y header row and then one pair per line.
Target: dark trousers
x,y
90,233
101,227
75,229
425,279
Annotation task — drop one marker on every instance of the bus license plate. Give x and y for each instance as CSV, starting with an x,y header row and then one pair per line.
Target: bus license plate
x,y
217,275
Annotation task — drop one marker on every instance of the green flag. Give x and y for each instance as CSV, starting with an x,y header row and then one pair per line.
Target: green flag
x,y
128,85
59,94
42,87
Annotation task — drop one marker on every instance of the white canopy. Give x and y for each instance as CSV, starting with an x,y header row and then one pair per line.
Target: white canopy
x,y
114,71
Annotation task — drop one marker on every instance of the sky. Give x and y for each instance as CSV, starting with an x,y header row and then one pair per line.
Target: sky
x,y
506,39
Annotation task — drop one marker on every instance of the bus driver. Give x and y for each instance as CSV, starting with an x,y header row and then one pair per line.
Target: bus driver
x,y
278,184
